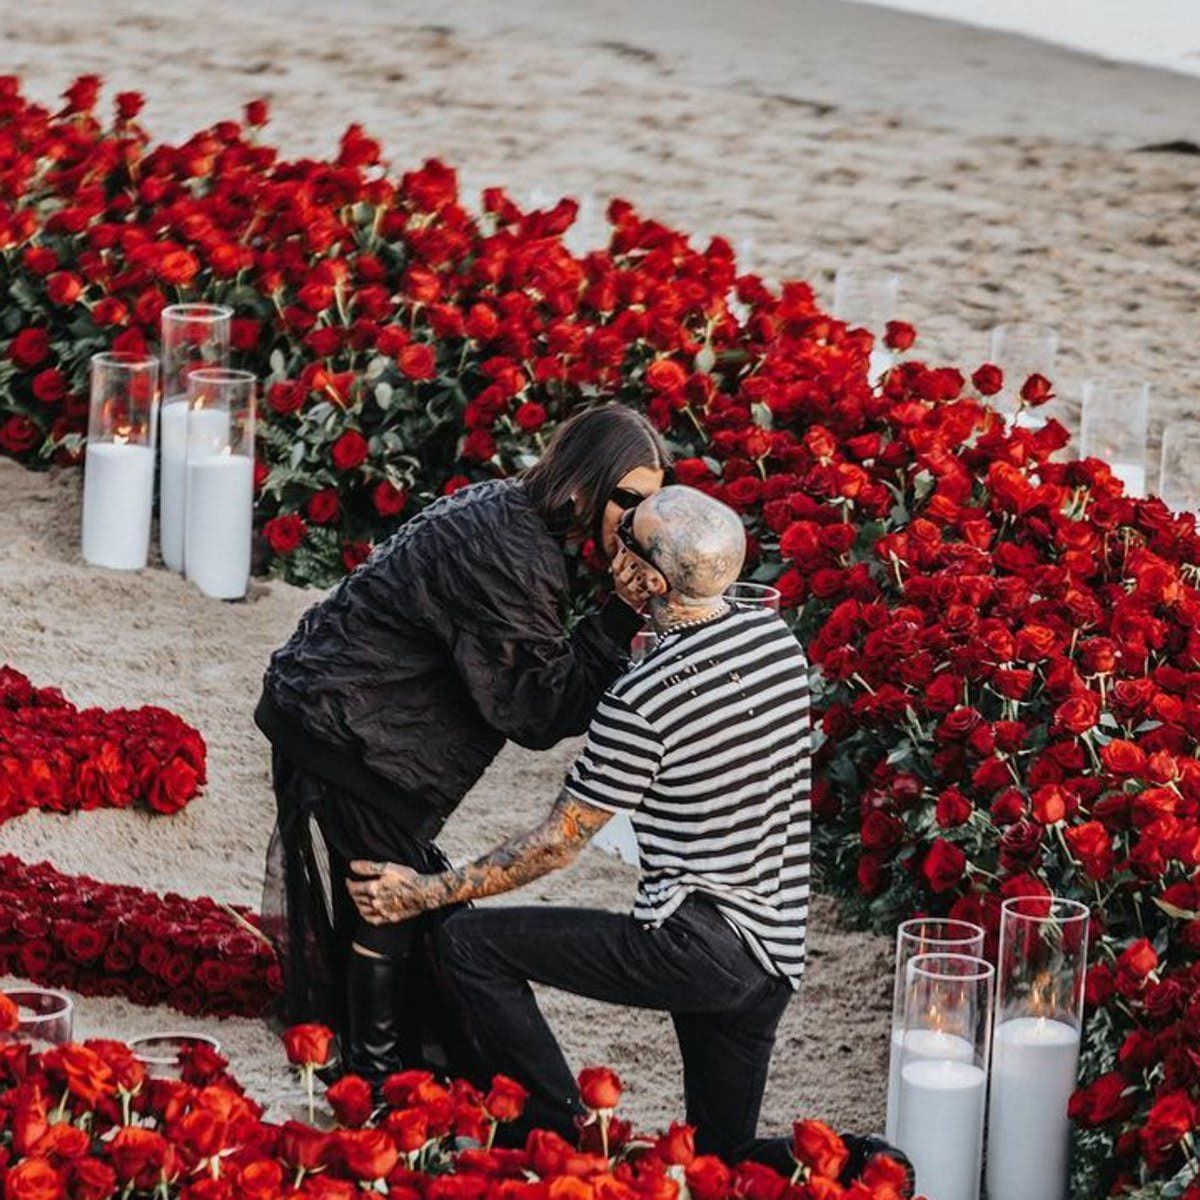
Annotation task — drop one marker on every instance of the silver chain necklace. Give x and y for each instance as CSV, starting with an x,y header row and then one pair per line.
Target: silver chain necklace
x,y
720,612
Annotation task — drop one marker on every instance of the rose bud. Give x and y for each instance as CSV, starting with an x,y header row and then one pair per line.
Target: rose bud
x,y
308,1045
988,379
817,1147
506,1099
351,1101
367,1153
899,335
600,1088
678,1145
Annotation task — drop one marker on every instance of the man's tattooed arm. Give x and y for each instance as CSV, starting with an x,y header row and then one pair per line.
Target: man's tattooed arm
x,y
396,893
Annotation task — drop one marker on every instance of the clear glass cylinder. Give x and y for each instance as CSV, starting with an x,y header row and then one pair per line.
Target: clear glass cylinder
x,y
866,298
194,336
753,595
921,935
45,1017
1035,1046
1179,481
943,1073
1114,421
118,472
219,481
1020,350
160,1053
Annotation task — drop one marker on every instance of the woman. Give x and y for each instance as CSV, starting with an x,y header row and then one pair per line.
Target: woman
x,y
397,690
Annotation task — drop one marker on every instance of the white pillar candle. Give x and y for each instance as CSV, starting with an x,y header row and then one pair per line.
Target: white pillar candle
x,y
220,508
923,1044
1034,1060
118,496
1132,475
941,1126
208,427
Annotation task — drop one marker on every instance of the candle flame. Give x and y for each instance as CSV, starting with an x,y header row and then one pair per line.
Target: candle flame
x,y
1042,998
121,436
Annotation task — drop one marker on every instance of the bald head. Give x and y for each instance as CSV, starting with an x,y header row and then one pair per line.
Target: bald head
x,y
697,542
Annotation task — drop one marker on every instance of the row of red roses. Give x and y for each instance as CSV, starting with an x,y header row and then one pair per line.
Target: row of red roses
x,y
55,756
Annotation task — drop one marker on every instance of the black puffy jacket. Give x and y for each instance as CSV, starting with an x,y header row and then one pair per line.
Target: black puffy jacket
x,y
403,684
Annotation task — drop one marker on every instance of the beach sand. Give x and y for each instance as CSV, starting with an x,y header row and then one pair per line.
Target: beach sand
x,y
999,177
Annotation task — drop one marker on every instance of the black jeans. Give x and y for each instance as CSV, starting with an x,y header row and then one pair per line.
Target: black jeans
x,y
695,966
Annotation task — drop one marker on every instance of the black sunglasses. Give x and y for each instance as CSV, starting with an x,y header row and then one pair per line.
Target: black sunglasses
x,y
626,498
628,539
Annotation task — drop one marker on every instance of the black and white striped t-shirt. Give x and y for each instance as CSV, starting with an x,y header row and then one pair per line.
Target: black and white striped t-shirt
x,y
707,745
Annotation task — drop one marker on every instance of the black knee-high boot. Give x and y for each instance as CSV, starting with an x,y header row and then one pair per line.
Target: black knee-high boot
x,y
378,1040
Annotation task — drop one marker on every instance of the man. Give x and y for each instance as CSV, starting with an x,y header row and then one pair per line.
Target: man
x,y
706,743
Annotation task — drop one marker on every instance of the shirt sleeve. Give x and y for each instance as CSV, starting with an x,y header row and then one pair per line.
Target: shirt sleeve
x,y
619,762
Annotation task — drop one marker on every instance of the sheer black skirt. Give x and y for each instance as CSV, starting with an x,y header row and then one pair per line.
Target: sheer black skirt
x,y
308,913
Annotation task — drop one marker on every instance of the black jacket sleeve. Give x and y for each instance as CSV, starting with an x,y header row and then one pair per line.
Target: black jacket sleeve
x,y
534,683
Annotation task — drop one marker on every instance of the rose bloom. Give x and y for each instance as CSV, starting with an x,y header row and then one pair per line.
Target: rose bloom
x,y
389,501
817,1147
349,451
988,379
284,533
417,361
943,866
323,507
8,1014
29,348
678,1145
530,416
899,335
351,1100
367,1153
600,1088
505,1100
33,1179
308,1044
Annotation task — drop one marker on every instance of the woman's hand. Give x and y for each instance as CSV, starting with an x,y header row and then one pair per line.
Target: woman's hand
x,y
629,579
386,893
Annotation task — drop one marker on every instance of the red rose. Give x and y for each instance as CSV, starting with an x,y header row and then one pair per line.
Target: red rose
x,y
63,288
29,348
953,809
1123,758
988,379
881,831
8,1014
368,1154
140,1156
678,1145
90,1179
1138,960
307,1045
354,554
479,446
50,385
899,335
943,866
708,1178
284,533
417,361
389,501
817,1147
178,267
129,104
600,1088
244,333
1049,805
664,374
349,451
285,398
1036,391
1079,714
257,113
1092,845
505,1100
33,1179
302,1146
409,1127
351,1100
1102,1101
323,507
530,416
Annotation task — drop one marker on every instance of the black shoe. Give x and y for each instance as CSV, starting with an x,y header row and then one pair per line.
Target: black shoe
x,y
376,1042
865,1147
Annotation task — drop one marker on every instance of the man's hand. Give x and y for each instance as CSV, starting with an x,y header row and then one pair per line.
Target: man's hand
x,y
387,893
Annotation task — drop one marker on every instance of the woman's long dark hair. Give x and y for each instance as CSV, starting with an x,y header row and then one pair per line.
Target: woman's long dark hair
x,y
587,457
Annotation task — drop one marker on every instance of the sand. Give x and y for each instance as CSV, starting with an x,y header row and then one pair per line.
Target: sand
x,y
998,176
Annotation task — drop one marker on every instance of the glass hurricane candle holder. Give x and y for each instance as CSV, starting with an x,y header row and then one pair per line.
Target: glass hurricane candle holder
x,y
922,935
943,1072
219,487
1179,483
753,595
1035,1055
194,336
1021,350
1114,421
866,298
118,471
160,1052
45,1017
